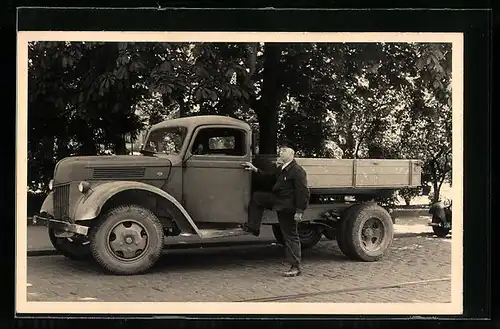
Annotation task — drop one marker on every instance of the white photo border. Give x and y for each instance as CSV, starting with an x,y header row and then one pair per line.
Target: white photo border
x,y
267,308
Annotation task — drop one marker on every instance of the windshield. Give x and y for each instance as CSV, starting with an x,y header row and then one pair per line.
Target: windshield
x,y
166,140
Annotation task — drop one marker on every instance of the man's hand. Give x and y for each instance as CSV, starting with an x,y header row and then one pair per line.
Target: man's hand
x,y
249,166
298,217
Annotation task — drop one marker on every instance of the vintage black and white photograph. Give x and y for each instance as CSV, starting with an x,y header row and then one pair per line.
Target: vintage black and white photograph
x,y
249,172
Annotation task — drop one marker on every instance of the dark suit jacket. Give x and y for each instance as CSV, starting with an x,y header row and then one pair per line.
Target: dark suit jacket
x,y
290,190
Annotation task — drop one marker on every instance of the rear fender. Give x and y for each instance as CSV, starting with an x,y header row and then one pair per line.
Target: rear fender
x,y
91,205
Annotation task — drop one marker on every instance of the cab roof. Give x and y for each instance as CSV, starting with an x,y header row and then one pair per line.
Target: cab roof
x,y
194,121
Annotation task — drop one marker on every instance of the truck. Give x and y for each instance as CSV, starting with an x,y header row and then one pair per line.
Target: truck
x,y
118,210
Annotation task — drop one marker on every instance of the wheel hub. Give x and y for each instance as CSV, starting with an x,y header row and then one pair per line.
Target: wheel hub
x,y
372,234
305,232
128,240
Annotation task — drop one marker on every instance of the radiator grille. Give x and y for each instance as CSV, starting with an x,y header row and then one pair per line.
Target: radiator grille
x,y
61,201
116,173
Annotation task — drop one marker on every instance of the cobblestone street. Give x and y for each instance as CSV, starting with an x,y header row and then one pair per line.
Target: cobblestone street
x,y
417,269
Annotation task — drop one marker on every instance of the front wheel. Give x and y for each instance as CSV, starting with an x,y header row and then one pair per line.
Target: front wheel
x,y
127,240
74,248
309,234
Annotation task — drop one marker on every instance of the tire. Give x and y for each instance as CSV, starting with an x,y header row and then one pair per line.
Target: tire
x,y
76,248
440,231
134,224
311,234
368,222
342,233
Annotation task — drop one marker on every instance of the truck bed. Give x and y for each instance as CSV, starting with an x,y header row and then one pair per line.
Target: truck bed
x,y
348,174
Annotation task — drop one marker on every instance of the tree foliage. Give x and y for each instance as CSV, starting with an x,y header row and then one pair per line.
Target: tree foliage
x,y
350,100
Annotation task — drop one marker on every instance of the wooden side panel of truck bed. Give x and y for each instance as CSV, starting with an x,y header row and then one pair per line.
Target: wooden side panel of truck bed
x,y
361,173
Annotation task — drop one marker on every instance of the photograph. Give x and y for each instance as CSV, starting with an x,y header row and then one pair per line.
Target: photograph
x,y
239,172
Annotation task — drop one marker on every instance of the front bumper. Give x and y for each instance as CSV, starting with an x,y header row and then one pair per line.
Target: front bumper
x,y
62,225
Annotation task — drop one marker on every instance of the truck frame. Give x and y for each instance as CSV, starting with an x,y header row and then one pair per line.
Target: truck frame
x,y
189,180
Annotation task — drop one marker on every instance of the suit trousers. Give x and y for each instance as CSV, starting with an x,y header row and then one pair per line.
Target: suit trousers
x,y
289,227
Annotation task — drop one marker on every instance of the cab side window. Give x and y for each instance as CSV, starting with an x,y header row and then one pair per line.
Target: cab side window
x,y
220,141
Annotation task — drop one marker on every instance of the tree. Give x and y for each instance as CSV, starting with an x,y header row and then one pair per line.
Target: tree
x,y
369,100
81,95
429,136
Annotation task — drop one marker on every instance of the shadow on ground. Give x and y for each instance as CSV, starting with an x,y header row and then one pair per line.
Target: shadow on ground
x,y
224,257
219,258
422,234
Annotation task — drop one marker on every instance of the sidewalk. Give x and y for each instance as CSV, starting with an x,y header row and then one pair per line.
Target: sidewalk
x,y
39,243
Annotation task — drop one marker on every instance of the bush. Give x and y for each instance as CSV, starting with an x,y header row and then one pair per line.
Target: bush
x,y
409,194
388,201
35,201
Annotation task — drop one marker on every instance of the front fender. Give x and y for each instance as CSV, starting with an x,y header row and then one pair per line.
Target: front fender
x,y
48,205
90,206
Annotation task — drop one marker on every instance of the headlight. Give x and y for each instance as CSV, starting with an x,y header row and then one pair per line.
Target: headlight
x,y
83,187
51,184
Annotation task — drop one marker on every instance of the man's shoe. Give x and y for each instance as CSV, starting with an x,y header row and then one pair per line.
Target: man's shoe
x,y
294,271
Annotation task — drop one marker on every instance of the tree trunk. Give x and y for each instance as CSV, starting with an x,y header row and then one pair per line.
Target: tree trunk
x,y
267,109
62,147
182,110
120,145
349,145
88,142
435,183
436,191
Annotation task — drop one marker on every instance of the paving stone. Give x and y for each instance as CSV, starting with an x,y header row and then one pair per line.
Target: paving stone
x,y
241,273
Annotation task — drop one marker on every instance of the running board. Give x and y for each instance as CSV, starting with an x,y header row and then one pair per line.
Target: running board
x,y
217,233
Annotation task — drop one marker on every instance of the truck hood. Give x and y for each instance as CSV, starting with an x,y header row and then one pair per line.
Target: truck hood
x,y
114,167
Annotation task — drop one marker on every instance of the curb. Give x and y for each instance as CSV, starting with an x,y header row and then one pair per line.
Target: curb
x,y
401,213
422,234
46,252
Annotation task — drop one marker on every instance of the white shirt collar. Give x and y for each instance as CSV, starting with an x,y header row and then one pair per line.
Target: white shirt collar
x,y
286,164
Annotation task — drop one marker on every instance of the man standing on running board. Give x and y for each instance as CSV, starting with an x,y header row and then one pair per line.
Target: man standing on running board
x,y
289,198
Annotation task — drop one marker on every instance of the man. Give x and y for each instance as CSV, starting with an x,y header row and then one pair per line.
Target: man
x,y
289,198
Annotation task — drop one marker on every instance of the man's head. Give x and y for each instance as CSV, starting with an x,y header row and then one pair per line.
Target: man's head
x,y
286,151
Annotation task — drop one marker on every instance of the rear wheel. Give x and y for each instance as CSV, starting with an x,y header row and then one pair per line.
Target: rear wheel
x,y
342,233
127,240
74,248
368,232
309,234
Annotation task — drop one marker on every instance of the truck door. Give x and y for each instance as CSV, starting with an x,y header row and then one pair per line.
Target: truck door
x,y
216,188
